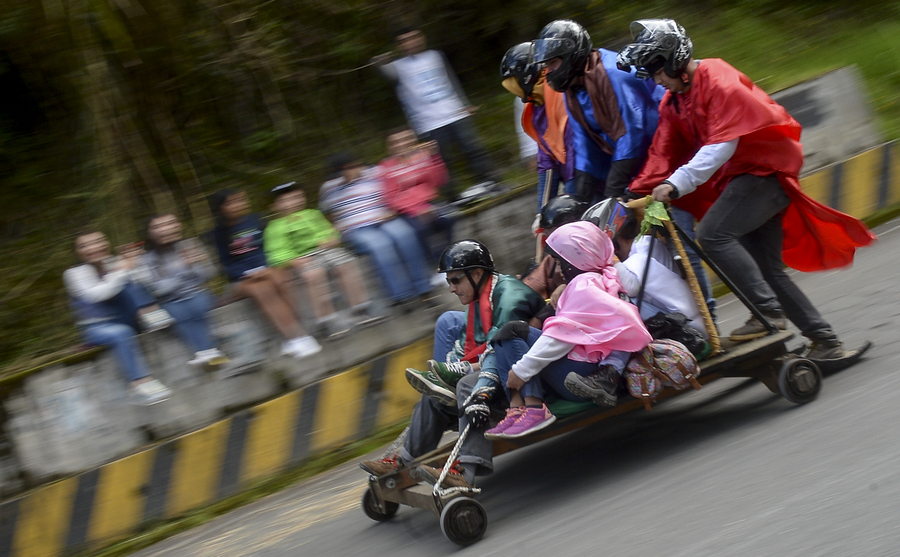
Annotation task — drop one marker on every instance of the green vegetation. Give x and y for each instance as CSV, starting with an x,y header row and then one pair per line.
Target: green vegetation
x,y
112,111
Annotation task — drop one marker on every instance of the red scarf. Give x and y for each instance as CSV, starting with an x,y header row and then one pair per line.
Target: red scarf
x,y
487,316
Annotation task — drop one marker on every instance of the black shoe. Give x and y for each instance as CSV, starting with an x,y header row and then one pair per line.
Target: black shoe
x,y
601,387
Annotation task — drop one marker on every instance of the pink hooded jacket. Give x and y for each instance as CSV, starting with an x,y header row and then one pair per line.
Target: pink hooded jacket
x,y
590,313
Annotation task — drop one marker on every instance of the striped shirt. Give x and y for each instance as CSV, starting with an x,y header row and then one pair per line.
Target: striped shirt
x,y
353,205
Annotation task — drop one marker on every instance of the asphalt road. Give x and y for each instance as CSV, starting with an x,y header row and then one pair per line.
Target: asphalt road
x,y
732,470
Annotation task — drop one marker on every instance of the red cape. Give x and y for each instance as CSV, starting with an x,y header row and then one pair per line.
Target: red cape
x,y
724,104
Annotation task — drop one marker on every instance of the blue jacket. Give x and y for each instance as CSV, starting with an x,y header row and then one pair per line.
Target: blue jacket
x,y
638,101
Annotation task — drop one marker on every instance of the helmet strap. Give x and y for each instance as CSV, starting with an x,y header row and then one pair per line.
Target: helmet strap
x,y
481,281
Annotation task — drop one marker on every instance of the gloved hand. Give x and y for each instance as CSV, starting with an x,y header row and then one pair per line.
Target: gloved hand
x,y
478,411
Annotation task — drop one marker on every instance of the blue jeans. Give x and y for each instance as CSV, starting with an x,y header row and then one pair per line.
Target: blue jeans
x,y
508,352
686,222
447,330
553,181
190,320
463,135
122,340
397,255
435,231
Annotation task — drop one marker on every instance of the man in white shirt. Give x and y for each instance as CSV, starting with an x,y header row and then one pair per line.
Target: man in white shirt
x,y
434,102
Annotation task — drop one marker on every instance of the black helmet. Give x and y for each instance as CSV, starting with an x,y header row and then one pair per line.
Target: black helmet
x,y
609,215
567,40
465,256
518,63
561,210
658,43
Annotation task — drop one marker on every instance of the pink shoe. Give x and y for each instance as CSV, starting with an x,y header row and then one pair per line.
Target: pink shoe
x,y
512,414
534,419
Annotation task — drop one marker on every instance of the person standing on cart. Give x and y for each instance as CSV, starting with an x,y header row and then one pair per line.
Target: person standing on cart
x,y
729,154
613,114
544,119
460,342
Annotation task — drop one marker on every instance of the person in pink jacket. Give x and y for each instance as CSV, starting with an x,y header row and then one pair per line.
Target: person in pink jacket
x,y
413,176
594,327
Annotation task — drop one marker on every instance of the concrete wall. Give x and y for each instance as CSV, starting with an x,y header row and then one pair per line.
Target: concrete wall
x,y
835,114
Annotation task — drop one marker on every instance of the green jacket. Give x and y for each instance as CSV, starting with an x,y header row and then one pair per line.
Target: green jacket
x,y
512,301
296,235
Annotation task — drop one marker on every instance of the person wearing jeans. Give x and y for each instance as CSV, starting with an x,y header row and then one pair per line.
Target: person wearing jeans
x,y
105,301
460,354
355,201
174,270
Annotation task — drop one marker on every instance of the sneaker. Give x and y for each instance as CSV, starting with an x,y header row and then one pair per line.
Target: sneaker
x,y
212,357
150,392
335,327
364,315
600,387
428,384
449,374
301,347
454,477
754,328
512,414
381,467
155,320
825,351
532,420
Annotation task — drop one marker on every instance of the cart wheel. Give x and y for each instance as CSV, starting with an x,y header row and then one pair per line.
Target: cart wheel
x,y
463,521
799,380
370,507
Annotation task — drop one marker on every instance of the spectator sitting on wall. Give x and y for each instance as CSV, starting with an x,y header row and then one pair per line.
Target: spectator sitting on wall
x,y
413,174
174,271
435,104
106,302
304,239
354,200
239,241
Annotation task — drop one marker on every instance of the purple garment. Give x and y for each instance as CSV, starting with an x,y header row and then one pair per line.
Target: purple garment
x,y
546,161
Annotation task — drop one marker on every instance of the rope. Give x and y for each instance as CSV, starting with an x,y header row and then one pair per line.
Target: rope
x,y
392,450
695,289
437,491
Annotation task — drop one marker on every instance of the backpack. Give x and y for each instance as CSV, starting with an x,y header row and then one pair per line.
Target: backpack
x,y
663,363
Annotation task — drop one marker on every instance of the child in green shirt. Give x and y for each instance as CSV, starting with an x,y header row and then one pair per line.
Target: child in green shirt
x,y
304,240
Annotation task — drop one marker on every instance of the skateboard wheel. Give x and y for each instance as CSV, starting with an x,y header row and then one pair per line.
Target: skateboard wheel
x,y
373,511
463,521
799,380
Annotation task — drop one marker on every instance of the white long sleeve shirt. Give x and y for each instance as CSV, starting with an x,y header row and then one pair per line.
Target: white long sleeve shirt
x,y
702,166
542,353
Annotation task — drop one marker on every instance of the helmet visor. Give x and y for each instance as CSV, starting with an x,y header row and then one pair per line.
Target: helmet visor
x,y
547,49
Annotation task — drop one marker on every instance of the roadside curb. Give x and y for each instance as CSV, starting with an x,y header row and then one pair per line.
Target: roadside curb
x,y
218,461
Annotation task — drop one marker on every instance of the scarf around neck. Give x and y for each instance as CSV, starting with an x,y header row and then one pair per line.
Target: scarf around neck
x,y
486,312
603,101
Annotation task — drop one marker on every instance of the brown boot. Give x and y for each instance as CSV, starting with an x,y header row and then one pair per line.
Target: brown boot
x,y
754,328
381,467
454,477
825,351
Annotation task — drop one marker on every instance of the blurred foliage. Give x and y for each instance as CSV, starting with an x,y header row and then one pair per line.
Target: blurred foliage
x,y
113,110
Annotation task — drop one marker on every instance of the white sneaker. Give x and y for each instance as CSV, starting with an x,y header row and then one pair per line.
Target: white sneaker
x,y
302,347
156,320
211,357
150,392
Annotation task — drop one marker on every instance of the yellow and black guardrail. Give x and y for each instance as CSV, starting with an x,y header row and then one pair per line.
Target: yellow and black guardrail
x,y
166,480
217,461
